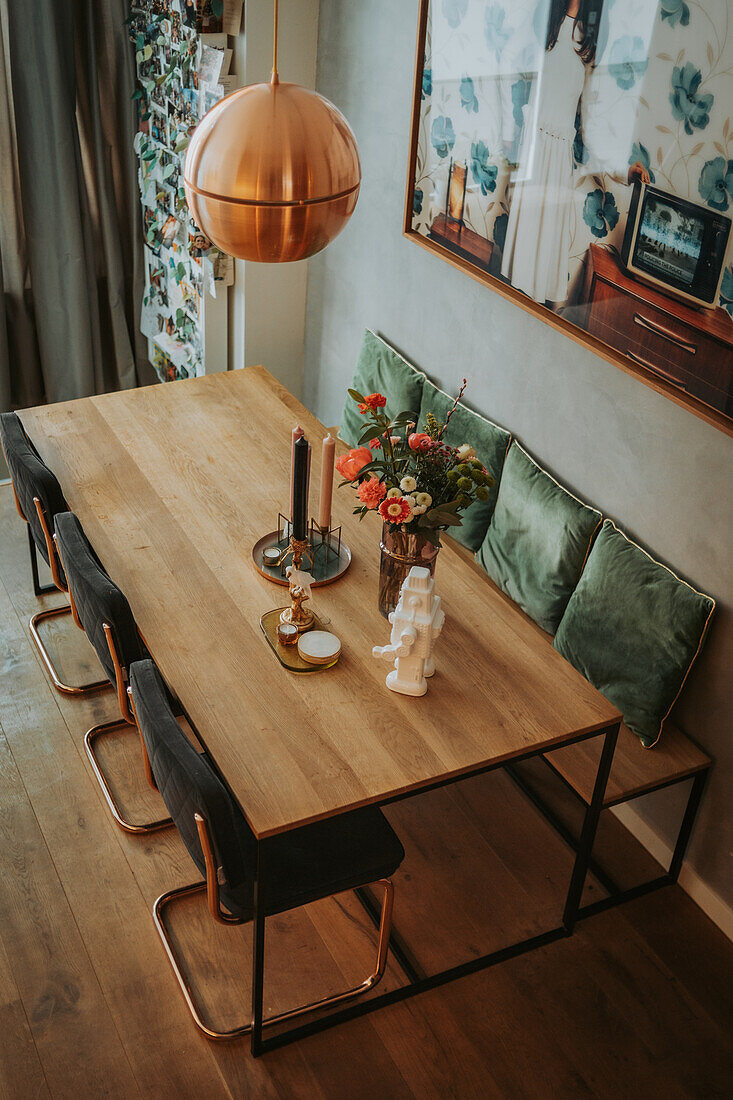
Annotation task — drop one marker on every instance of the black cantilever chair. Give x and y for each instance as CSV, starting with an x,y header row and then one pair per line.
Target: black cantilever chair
x,y
310,863
101,610
38,498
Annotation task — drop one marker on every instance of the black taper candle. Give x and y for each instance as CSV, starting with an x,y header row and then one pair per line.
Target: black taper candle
x,y
300,489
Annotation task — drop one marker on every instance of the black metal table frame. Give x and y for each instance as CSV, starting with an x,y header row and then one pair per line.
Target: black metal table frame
x,y
420,982
617,895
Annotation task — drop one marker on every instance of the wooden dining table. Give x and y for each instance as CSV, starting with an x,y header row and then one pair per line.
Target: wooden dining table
x,y
173,485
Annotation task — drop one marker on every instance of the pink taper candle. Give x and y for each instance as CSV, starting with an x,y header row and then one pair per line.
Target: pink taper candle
x,y
328,456
297,433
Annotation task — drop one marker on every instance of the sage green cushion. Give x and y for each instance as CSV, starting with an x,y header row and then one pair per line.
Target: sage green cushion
x,y
633,629
491,444
380,369
538,540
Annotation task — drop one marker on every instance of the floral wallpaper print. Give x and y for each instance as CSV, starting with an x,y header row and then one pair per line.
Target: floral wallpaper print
x,y
659,96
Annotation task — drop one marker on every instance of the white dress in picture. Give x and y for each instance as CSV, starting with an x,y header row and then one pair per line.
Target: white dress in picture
x,y
536,256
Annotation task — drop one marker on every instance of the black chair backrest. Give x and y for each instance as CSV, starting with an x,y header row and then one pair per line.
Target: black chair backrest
x,y
189,784
31,478
96,597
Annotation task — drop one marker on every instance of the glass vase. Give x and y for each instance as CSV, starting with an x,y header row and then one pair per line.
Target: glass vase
x,y
400,550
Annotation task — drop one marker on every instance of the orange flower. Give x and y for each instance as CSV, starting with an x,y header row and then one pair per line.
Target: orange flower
x,y
371,492
373,401
375,444
395,510
350,464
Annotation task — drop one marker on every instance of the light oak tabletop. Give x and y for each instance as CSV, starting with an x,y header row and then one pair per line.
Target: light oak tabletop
x,y
174,484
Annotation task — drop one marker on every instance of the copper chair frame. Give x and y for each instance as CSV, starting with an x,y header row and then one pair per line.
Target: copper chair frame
x,y
211,887
127,718
53,612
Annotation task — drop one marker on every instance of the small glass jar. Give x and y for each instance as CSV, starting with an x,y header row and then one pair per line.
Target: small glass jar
x,y
287,634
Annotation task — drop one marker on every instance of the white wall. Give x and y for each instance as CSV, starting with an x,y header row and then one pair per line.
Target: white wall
x,y
267,313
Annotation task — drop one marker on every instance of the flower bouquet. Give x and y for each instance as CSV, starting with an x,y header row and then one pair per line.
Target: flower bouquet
x,y
417,482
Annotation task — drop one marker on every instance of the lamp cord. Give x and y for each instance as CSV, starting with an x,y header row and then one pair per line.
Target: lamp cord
x,y
274,78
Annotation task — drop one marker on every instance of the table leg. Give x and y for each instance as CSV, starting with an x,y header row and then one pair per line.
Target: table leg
x,y
258,950
588,834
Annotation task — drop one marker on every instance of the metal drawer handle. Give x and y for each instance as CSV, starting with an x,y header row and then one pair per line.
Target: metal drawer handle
x,y
656,370
665,333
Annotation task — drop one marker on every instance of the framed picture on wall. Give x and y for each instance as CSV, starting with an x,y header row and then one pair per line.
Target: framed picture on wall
x,y
577,157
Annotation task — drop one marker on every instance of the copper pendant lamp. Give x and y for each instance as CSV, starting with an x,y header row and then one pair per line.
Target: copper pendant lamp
x,y
272,172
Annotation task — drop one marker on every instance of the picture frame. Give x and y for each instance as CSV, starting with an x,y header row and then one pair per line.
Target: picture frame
x,y
641,271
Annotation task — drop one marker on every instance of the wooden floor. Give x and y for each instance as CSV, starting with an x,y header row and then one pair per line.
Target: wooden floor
x,y
637,1004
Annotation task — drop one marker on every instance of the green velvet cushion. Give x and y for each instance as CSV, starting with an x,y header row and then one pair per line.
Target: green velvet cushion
x,y
491,444
379,369
633,629
538,539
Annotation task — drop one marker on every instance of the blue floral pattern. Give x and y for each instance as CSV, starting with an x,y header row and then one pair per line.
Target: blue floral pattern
x,y
454,10
484,173
675,11
628,60
640,153
468,96
442,136
496,33
600,213
716,182
417,201
520,97
427,83
688,105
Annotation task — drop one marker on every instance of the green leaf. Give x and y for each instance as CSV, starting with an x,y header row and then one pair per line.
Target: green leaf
x,y
137,94
356,396
368,434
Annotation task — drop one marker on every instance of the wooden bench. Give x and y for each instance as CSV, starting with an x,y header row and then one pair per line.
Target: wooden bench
x,y
635,771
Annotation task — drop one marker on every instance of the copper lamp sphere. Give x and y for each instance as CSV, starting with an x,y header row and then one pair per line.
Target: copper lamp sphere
x,y
272,172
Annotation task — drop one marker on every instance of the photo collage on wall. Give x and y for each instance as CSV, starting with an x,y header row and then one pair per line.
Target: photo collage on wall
x,y
182,57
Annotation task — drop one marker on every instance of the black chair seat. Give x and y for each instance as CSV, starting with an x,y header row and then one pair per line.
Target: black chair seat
x,y
303,865
318,860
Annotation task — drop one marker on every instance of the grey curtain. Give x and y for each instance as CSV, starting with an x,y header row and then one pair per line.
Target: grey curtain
x,y
70,238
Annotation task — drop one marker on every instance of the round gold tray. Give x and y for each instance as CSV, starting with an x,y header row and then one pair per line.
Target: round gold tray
x,y
325,569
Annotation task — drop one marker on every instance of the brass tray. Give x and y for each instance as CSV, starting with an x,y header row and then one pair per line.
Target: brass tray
x,y
288,656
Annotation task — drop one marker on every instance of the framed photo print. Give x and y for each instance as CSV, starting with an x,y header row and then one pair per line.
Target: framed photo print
x,y
577,157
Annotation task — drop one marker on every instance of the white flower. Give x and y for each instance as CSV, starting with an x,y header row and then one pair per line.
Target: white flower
x,y
423,500
411,501
465,452
393,493
408,485
419,509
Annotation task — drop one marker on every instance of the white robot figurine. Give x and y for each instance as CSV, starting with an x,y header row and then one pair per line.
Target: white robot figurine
x,y
416,623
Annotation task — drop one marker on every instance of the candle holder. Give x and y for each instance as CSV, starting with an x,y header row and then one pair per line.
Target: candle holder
x,y
324,540
325,552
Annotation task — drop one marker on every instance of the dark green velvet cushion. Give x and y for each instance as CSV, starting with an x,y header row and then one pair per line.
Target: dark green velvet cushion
x,y
379,369
491,444
633,629
538,539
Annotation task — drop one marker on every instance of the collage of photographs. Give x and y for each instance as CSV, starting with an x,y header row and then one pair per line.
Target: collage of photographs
x,y
183,59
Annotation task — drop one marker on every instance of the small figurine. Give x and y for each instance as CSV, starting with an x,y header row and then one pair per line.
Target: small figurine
x,y
416,623
299,583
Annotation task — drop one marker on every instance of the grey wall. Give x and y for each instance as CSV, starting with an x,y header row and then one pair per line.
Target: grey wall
x,y
657,470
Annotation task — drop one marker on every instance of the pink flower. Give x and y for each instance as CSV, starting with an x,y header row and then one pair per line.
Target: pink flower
x,y
419,441
350,464
395,510
371,492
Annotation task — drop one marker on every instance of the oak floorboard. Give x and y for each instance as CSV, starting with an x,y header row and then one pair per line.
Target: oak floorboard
x,y
58,985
